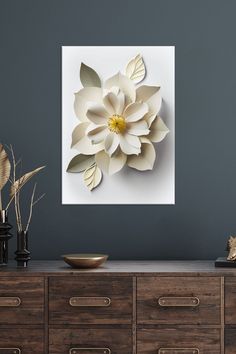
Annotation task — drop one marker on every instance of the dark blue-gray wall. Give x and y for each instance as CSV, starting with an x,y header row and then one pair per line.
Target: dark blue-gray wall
x,y
203,31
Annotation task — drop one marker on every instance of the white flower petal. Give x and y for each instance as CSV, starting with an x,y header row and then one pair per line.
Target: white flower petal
x,y
145,160
135,111
98,115
82,143
83,99
138,128
144,92
149,117
158,130
97,133
130,144
113,89
114,103
108,164
125,85
121,98
111,143
152,96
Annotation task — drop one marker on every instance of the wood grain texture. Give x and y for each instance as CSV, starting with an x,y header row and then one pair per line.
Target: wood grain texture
x,y
31,294
230,301
119,341
149,341
118,290
121,268
230,340
29,340
129,327
207,290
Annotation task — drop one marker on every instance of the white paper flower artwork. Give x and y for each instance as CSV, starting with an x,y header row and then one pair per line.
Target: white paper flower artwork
x,y
117,112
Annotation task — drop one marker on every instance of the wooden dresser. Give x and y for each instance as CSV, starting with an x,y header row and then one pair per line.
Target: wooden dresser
x,y
124,307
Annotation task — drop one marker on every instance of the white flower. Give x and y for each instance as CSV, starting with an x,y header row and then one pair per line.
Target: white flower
x,y
118,123
115,121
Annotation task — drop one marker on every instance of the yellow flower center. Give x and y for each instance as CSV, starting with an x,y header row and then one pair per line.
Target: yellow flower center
x,y
116,124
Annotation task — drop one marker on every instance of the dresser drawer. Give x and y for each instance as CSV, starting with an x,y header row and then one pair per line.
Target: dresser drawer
x,y
230,340
178,341
21,300
178,300
21,341
90,300
230,301
90,341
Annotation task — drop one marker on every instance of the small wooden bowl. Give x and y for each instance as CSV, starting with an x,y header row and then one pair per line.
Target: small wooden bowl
x,y
84,260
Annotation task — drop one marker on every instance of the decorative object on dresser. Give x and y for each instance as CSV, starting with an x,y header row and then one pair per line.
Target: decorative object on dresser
x,y
5,227
120,129
127,307
5,235
121,122
85,260
22,252
230,261
231,248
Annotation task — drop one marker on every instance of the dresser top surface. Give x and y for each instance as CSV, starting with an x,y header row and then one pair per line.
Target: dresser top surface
x,y
124,268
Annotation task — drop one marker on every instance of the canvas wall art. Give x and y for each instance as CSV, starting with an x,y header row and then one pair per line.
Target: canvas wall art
x,y
118,125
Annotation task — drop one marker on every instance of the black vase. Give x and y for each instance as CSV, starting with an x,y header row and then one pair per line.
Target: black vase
x,y
22,253
5,235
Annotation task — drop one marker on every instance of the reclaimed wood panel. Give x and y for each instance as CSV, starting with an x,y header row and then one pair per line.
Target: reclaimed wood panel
x,y
121,268
151,289
149,341
119,341
230,301
117,289
30,291
28,340
230,340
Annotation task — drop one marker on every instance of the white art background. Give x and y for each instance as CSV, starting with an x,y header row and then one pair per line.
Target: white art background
x,y
128,186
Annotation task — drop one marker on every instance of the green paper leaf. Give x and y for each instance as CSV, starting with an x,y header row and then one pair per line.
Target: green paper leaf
x,y
89,77
80,163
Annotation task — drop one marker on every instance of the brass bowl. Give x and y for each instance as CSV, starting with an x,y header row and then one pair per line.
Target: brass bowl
x,y
84,260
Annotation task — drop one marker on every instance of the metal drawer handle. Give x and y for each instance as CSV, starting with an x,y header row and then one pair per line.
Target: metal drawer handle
x,y
90,301
178,351
170,301
10,351
90,351
9,302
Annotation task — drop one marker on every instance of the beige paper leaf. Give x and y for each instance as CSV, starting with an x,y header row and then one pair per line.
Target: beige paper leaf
x,y
15,188
89,77
113,164
80,163
92,177
145,160
5,167
135,69
158,130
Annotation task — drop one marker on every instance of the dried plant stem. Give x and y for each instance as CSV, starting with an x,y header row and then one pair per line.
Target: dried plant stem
x,y
18,208
10,201
39,198
0,200
31,207
16,197
32,204
16,189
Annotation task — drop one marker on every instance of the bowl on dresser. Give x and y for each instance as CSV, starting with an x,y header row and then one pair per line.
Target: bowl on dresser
x,y
85,260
